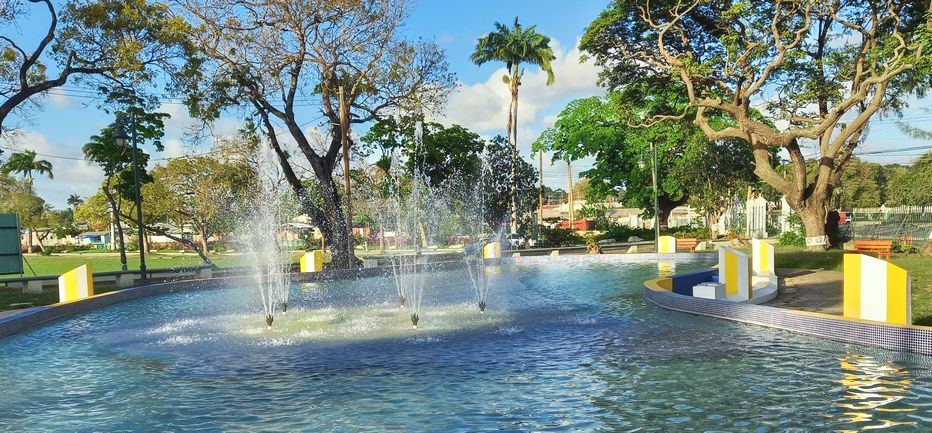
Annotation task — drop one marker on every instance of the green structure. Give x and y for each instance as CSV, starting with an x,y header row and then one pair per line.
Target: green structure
x,y
11,253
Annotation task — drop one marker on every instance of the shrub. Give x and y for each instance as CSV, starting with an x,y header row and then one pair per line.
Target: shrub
x,y
900,248
792,239
557,237
621,233
690,232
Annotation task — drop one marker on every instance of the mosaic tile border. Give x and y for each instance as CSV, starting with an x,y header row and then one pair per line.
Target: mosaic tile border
x,y
914,339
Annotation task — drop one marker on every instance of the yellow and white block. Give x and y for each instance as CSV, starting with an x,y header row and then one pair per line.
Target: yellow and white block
x,y
492,250
666,244
762,257
75,284
734,270
312,261
876,290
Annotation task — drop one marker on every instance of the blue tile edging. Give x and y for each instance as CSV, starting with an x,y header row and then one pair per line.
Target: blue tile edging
x,y
914,339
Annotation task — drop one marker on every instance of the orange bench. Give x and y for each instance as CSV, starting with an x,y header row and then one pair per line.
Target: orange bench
x,y
880,248
687,244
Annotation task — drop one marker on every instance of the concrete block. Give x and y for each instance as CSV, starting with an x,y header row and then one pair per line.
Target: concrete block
x,y
709,290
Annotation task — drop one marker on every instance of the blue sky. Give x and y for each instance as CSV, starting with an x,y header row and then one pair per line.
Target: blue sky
x,y
480,103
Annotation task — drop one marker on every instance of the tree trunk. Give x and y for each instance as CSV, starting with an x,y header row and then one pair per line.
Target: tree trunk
x,y
334,225
202,231
813,217
119,229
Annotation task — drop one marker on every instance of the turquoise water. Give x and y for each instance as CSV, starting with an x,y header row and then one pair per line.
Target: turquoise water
x,y
569,347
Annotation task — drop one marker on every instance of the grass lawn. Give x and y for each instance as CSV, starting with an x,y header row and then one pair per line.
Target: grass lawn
x,y
920,271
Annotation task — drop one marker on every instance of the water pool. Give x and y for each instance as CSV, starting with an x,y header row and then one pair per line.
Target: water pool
x,y
563,347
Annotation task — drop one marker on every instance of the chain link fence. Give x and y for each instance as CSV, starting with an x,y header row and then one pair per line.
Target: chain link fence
x,y
906,224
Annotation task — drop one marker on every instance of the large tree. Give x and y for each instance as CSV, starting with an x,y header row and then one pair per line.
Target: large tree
x,y
116,161
277,56
690,167
821,70
514,46
123,42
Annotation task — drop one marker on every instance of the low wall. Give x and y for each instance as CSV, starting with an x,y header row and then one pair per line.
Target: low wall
x,y
915,339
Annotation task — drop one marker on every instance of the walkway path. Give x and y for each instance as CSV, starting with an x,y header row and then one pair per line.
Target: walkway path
x,y
813,290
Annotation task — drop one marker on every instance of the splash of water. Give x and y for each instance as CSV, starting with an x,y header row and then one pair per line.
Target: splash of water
x,y
260,237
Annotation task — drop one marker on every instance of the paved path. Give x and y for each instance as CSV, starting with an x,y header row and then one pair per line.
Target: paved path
x,y
814,290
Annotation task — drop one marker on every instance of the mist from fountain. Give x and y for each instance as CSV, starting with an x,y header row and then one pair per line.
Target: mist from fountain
x,y
259,235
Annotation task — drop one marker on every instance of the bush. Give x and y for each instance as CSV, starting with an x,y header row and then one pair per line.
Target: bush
x,y
690,232
557,237
900,248
792,239
621,233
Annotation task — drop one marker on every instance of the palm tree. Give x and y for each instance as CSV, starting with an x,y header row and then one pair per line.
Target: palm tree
x,y
514,46
25,163
74,200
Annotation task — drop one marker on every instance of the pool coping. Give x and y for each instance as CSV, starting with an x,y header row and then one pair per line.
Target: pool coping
x,y
901,338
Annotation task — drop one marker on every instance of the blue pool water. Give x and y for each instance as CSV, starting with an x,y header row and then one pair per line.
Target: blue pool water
x,y
568,347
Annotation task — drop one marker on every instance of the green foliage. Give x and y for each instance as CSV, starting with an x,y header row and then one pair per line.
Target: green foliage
x,y
911,186
621,233
795,236
25,163
861,185
514,46
497,190
792,239
690,232
558,237
690,166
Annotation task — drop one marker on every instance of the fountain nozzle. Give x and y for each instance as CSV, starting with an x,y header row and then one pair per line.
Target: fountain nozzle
x,y
284,308
268,321
401,301
481,307
414,320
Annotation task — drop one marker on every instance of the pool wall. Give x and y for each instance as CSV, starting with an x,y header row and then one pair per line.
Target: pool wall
x,y
915,339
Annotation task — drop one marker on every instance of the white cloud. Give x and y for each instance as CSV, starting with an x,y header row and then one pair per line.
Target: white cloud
x,y
72,176
61,100
484,106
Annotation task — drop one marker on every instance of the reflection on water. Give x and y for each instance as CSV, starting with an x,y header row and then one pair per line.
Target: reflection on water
x,y
666,268
874,391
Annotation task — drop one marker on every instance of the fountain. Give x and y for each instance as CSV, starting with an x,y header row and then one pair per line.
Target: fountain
x,y
259,236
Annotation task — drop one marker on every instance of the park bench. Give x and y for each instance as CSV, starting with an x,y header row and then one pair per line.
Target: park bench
x,y
880,248
687,244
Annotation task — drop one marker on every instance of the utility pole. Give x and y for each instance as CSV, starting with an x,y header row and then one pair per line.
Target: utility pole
x,y
540,192
344,137
571,197
653,165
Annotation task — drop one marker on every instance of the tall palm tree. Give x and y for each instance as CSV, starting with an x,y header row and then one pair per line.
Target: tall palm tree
x,y
514,46
25,163
74,200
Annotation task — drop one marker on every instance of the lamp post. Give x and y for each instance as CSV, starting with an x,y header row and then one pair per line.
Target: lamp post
x,y
653,173
121,137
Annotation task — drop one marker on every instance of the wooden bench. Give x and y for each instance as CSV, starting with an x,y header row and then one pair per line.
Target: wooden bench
x,y
880,248
687,244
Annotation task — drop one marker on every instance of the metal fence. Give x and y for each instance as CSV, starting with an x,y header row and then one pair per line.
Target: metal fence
x,y
903,223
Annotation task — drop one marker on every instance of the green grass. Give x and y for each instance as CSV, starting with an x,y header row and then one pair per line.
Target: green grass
x,y
920,271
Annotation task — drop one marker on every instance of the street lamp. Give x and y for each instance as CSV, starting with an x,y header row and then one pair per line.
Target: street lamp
x,y
653,170
121,138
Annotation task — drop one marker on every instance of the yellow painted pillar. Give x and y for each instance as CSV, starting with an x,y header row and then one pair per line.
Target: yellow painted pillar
x,y
876,290
666,244
75,284
492,250
312,261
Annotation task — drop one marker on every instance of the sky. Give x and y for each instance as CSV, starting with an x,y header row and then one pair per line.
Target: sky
x,y
480,102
